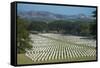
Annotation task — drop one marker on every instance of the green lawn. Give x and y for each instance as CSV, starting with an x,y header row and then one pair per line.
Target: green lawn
x,y
22,59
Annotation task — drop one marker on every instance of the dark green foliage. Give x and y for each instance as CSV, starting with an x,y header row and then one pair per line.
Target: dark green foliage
x,y
85,29
23,39
37,26
56,25
94,13
63,26
93,29
66,27
94,26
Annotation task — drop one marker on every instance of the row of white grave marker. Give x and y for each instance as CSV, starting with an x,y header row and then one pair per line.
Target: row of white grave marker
x,y
73,39
45,49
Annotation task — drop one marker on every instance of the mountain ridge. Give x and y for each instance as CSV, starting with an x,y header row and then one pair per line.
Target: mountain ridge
x,y
49,16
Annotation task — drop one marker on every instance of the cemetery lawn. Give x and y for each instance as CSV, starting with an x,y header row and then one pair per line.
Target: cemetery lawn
x,y
22,59
55,48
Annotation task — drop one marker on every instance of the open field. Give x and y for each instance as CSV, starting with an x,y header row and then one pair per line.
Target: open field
x,y
49,48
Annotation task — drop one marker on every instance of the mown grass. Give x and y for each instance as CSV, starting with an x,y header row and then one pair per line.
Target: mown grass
x,y
22,59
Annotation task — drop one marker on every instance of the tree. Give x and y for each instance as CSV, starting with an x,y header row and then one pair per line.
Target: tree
x,y
94,25
94,13
37,26
23,39
85,29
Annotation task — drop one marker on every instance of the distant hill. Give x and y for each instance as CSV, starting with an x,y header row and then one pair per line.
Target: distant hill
x,y
48,16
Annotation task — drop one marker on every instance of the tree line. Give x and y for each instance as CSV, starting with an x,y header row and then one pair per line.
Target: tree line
x,y
64,27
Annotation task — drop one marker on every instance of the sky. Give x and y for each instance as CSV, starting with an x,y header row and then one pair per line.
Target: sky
x,y
65,10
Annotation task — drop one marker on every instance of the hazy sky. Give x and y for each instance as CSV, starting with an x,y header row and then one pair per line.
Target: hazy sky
x,y
65,10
